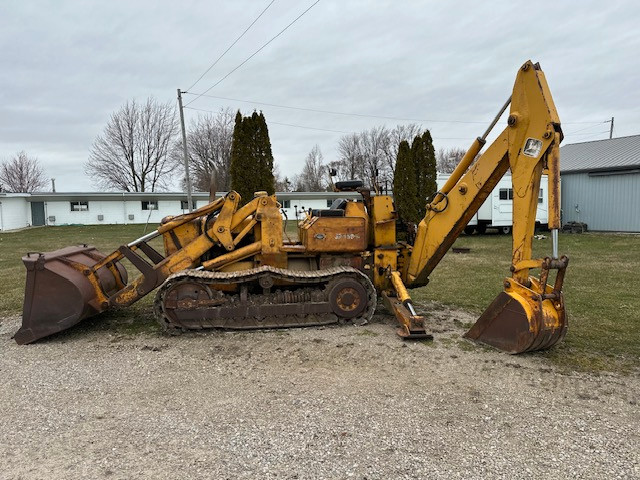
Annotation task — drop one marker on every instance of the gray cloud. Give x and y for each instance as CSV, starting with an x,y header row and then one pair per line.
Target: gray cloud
x,y
68,65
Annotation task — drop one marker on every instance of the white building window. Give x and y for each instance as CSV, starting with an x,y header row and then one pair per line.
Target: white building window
x,y
506,194
286,204
540,200
149,205
79,206
184,205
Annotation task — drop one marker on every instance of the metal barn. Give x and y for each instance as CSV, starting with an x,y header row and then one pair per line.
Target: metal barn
x,y
600,183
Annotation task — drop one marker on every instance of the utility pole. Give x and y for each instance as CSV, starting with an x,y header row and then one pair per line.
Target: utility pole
x,y
611,130
184,151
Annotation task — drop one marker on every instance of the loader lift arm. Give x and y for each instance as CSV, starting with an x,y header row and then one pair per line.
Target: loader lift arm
x,y
84,282
528,315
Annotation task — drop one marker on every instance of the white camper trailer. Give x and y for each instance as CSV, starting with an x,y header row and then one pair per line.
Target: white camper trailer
x,y
497,209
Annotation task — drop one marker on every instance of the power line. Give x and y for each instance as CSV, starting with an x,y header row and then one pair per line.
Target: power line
x,y
586,128
284,124
588,133
256,52
330,112
595,135
231,46
311,128
577,123
363,115
323,129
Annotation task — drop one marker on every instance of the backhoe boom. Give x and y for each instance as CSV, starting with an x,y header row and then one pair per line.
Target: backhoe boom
x,y
527,146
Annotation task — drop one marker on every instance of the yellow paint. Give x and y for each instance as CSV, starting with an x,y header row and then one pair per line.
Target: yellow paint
x,y
186,233
384,262
553,190
536,308
187,217
232,257
225,218
383,221
534,115
401,290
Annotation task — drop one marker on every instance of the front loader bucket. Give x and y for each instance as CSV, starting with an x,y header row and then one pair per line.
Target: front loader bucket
x,y
61,290
516,322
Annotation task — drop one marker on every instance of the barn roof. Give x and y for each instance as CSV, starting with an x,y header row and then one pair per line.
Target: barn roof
x,y
622,153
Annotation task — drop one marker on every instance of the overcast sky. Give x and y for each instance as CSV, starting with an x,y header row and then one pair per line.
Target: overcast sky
x,y
66,66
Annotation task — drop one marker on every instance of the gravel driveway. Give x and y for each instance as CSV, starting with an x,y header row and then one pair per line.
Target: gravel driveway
x,y
336,402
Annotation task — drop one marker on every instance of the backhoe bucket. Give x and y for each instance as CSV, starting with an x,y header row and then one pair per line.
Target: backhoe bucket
x,y
61,290
520,320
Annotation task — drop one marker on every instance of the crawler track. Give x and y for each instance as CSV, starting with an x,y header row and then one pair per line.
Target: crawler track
x,y
265,297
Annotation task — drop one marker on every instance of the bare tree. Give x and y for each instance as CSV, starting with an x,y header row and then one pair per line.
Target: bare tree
x,y
314,173
282,184
350,165
447,159
375,148
133,152
371,154
209,150
397,135
22,174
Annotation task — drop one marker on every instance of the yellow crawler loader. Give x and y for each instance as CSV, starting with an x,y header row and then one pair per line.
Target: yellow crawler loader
x,y
229,266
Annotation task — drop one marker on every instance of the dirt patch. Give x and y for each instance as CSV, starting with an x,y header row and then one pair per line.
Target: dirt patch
x,y
331,402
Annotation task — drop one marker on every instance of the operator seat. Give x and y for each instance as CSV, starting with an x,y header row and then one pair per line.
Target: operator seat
x,y
339,204
335,210
348,185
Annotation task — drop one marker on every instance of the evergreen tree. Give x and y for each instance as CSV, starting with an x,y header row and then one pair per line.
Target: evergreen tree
x,y
405,192
251,157
424,162
241,181
264,154
427,186
419,161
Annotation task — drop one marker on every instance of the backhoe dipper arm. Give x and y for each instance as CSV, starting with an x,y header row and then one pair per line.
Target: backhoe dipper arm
x,y
533,128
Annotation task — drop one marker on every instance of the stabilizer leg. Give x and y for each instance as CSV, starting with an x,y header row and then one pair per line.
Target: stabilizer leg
x,y
399,302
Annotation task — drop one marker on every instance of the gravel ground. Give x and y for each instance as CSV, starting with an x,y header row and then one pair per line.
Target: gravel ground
x,y
338,402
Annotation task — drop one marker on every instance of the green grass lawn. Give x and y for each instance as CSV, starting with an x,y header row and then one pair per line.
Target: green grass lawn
x,y
602,293
602,286
44,239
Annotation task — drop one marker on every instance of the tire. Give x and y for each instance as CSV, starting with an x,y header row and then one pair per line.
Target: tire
x,y
481,228
504,230
469,230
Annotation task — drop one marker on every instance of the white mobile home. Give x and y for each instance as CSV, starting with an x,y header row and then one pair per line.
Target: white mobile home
x,y
497,210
